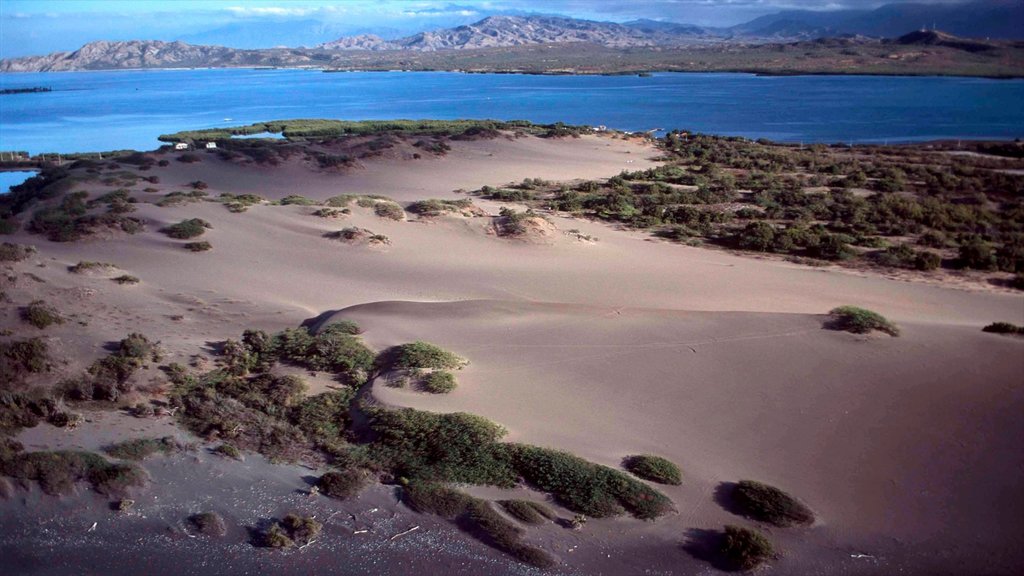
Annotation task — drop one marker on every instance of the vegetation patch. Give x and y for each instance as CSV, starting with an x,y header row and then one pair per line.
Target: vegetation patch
x,y
434,207
860,321
142,448
766,503
745,549
187,229
296,200
228,451
528,511
421,354
21,357
389,210
87,266
343,484
438,382
126,279
57,472
239,203
201,246
208,524
1003,328
41,315
108,378
653,468
291,531
10,252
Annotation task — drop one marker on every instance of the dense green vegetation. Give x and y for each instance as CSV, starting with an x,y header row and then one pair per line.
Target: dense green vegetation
x,y
528,511
57,472
860,321
323,129
769,504
74,218
438,382
421,354
653,468
187,229
905,207
434,207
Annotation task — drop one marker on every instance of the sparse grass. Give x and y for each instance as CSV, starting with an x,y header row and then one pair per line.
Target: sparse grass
x,y
860,321
126,279
208,524
434,207
142,448
187,229
528,511
1003,328
41,315
438,382
86,266
653,468
343,484
10,252
330,212
202,246
745,549
296,200
766,503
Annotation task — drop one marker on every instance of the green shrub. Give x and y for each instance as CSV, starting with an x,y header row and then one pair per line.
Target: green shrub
x,y
202,246
436,499
228,451
88,266
493,529
769,504
24,356
296,200
436,207
745,549
57,472
438,382
860,321
126,279
41,315
581,486
903,256
292,530
389,210
187,229
653,468
421,354
977,253
142,448
208,524
332,351
276,537
1003,328
528,512
342,485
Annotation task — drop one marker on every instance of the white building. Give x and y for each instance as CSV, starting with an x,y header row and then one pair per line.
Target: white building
x,y
181,146
211,145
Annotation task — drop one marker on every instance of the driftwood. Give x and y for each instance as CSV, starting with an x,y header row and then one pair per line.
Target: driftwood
x,y
400,534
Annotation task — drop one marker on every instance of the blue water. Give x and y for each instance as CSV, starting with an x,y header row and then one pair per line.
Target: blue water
x,y
8,179
91,111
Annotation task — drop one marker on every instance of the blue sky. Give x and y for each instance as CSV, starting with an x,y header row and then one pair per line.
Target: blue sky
x,y
42,26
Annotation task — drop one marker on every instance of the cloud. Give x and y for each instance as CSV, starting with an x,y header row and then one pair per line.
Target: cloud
x,y
257,11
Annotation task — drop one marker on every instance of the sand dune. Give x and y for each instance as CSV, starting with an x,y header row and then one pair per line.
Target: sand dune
x,y
908,449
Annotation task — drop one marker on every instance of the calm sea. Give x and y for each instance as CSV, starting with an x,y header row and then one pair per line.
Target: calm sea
x,y
91,111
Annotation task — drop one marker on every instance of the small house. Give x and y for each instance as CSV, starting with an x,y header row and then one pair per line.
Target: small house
x,y
210,145
181,146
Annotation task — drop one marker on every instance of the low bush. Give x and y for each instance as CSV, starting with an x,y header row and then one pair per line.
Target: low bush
x,y
19,357
528,512
228,451
41,315
421,354
389,210
436,207
208,524
860,321
343,484
438,382
766,503
745,549
1003,328
86,266
57,472
202,246
142,448
296,200
292,530
187,229
436,499
653,468
10,252
126,279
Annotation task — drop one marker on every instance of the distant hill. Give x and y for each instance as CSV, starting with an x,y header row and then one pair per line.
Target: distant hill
x,y
500,31
997,19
